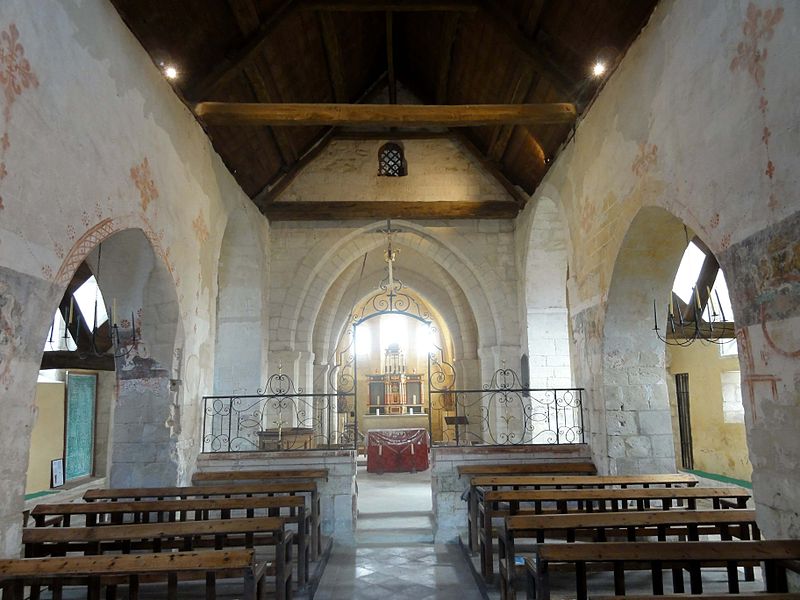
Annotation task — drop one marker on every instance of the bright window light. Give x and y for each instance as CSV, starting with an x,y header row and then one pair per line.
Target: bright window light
x,y
724,302
688,272
426,339
394,330
363,340
85,297
55,337
729,348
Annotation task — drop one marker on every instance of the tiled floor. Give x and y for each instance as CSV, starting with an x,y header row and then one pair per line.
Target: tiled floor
x,y
411,572
395,510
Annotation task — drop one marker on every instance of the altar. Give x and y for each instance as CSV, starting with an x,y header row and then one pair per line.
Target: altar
x,y
397,450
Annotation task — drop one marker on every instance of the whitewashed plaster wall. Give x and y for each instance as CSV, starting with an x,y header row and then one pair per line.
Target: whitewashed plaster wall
x,y
701,119
92,142
438,170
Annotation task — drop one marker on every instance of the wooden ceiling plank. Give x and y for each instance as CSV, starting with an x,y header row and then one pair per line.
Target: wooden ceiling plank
x,y
390,58
409,115
64,359
492,167
384,6
324,211
565,84
230,66
245,14
502,133
333,54
450,33
265,90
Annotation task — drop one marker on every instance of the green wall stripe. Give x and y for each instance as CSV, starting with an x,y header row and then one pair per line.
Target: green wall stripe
x,y
722,478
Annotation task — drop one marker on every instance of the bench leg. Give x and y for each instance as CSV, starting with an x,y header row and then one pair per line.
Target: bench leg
x,y
250,587
211,586
133,587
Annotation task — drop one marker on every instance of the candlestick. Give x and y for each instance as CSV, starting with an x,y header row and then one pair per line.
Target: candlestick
x,y
655,318
671,307
71,308
114,312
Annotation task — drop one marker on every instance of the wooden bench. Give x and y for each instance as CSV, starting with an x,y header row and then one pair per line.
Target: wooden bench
x,y
599,527
184,536
563,468
306,488
494,482
258,475
755,596
291,508
589,500
657,556
94,572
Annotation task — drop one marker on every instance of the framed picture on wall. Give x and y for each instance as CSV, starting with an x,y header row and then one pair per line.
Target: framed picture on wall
x,y
56,472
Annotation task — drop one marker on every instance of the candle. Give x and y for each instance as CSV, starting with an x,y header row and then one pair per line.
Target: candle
x,y
655,318
697,297
710,300
722,313
114,312
71,308
671,308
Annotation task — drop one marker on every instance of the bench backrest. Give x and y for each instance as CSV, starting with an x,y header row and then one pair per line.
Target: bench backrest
x,y
259,475
629,519
156,506
669,551
614,494
201,491
144,531
528,468
586,481
126,564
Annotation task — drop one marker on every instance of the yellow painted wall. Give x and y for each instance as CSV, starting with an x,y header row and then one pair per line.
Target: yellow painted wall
x,y
47,438
719,447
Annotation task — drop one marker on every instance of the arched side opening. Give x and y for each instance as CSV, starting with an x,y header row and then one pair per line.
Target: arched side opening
x,y
546,310
239,347
147,419
635,415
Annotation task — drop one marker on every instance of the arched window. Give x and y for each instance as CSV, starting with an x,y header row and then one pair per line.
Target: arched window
x,y
391,161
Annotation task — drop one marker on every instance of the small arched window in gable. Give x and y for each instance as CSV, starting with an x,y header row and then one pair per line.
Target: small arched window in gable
x,y
392,161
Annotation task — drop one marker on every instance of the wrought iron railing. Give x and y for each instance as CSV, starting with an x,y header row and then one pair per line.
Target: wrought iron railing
x,y
279,417
504,412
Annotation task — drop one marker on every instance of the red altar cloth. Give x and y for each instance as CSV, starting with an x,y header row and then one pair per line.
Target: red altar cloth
x,y
397,450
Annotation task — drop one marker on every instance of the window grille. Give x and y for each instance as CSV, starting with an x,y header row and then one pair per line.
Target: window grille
x,y
391,161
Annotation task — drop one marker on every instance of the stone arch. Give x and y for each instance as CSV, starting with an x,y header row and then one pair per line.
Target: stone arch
x,y
635,414
323,265
129,247
239,348
545,306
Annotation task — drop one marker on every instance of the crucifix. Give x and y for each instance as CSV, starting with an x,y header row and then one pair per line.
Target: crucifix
x,y
390,255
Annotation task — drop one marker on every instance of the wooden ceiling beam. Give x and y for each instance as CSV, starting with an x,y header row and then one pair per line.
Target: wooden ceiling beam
x,y
325,211
394,134
449,35
64,359
333,54
203,86
493,168
565,84
502,133
385,6
274,188
397,115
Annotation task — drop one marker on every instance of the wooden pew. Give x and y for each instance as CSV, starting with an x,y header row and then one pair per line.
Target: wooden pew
x,y
94,572
598,527
755,596
562,468
166,511
185,536
657,556
258,475
494,482
590,500
307,488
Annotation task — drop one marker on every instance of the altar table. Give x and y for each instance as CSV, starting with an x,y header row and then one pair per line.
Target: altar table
x,y
397,450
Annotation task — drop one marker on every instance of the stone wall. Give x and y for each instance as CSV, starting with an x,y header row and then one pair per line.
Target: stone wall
x,y
337,494
700,120
449,509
